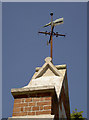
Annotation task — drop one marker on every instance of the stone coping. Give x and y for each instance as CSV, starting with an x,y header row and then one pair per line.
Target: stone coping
x,y
57,66
33,116
26,90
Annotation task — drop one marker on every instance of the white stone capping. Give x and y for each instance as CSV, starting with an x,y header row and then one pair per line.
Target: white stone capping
x,y
48,59
34,116
16,91
55,69
57,66
48,64
32,88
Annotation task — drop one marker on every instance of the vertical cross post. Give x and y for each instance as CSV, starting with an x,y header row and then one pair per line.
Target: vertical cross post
x,y
51,47
53,23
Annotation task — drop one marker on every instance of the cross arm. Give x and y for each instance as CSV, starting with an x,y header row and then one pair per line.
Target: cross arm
x,y
46,33
54,34
57,34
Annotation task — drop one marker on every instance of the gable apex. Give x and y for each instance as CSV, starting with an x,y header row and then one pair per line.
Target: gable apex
x,y
43,69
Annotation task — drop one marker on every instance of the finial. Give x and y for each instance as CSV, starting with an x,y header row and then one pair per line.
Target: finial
x,y
51,13
52,33
48,59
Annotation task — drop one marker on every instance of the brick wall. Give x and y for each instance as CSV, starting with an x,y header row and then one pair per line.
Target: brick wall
x,y
36,104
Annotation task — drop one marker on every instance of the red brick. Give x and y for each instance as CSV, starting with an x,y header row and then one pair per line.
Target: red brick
x,y
17,100
15,114
23,99
31,113
28,99
43,112
23,113
42,99
47,98
27,108
41,108
21,105
47,107
16,105
22,109
20,114
32,104
17,109
35,108
43,103
35,99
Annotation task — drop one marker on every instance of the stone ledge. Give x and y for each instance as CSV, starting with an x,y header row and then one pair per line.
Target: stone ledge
x,y
26,90
57,66
34,117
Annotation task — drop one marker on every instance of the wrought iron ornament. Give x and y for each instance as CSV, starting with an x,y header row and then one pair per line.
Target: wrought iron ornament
x,y
52,24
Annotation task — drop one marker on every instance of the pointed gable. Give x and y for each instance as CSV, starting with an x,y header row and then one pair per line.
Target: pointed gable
x,y
48,75
47,69
49,82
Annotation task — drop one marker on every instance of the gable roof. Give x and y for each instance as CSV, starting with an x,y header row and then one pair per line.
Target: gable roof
x,y
48,64
46,77
40,79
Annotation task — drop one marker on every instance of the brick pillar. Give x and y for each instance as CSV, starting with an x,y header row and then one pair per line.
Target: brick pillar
x,y
41,97
36,104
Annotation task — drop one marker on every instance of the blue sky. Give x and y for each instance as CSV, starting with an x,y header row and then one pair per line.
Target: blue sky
x,y
23,49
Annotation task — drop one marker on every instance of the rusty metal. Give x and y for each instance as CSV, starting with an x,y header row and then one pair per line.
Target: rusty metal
x,y
45,33
51,35
51,44
57,34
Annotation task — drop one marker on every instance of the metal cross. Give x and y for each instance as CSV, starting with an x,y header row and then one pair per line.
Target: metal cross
x,y
52,23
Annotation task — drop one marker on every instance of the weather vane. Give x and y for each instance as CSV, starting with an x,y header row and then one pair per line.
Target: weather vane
x,y
52,24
